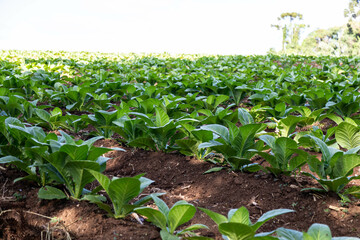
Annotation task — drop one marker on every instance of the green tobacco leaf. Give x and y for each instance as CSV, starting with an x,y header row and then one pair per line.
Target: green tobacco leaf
x,y
345,165
101,178
318,232
180,214
188,146
220,99
143,142
269,215
347,135
202,135
121,191
216,217
165,235
56,112
153,216
161,205
161,117
75,152
43,115
269,140
95,199
289,234
220,130
214,169
327,154
240,215
9,159
194,227
354,190
284,150
49,192
335,184
236,231
245,117
94,153
287,125
237,162
80,177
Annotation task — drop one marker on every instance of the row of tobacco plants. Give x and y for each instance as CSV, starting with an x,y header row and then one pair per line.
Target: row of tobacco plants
x,y
222,109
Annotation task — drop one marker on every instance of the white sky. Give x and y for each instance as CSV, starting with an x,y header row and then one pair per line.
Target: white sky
x,y
175,26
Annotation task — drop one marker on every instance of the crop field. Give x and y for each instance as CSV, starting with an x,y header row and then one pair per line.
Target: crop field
x,y
159,146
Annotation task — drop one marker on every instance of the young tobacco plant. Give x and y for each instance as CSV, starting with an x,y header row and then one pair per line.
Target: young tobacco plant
x,y
190,146
334,168
120,191
161,130
315,232
285,157
103,121
235,144
238,226
169,219
67,164
52,120
24,147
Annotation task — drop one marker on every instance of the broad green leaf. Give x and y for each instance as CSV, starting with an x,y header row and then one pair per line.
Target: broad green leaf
x,y
99,203
43,115
220,99
214,169
216,217
284,150
245,117
9,159
153,216
269,140
289,234
318,232
287,125
345,165
165,235
75,152
240,215
80,177
347,135
56,112
202,135
236,231
101,178
194,227
269,215
49,192
161,205
220,130
180,214
161,117
121,191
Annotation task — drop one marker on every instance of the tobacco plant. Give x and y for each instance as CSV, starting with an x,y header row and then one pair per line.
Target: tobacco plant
x,y
67,162
237,225
120,191
234,143
285,157
169,219
315,232
335,168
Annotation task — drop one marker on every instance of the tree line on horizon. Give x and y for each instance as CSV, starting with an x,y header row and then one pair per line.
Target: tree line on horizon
x,y
337,41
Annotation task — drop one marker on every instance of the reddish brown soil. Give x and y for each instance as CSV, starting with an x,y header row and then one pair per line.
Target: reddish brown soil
x,y
181,178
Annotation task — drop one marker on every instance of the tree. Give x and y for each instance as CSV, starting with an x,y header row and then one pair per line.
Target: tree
x,y
289,24
337,41
353,10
